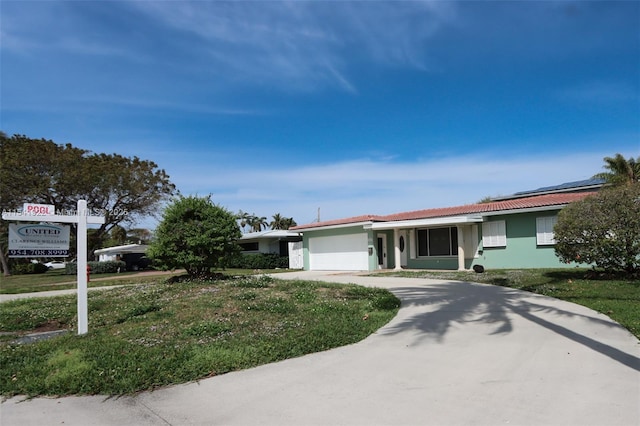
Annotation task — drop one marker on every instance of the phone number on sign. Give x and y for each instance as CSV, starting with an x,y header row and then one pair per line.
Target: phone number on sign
x,y
38,253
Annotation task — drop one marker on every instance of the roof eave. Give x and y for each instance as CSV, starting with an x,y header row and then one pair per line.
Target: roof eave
x,y
337,226
525,210
432,221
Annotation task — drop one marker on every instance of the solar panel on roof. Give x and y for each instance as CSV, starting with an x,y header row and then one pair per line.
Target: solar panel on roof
x,y
566,185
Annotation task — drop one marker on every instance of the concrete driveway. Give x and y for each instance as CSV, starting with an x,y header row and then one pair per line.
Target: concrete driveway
x,y
456,354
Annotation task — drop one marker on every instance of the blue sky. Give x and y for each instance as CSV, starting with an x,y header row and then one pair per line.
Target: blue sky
x,y
351,107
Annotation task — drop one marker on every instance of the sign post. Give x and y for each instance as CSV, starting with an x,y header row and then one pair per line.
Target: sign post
x,y
82,218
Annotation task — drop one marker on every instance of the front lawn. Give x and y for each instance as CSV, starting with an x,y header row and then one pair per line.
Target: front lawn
x,y
616,297
56,279
146,336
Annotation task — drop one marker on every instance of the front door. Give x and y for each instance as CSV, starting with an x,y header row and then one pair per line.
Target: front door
x,y
403,248
382,251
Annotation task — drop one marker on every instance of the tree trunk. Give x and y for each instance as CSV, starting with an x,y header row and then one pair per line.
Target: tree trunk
x,y
4,263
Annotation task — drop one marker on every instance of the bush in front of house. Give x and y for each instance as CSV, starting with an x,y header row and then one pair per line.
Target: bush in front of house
x,y
29,268
260,261
197,235
110,267
603,230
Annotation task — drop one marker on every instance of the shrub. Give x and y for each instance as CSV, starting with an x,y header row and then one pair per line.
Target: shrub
x,y
602,229
110,267
28,268
260,261
196,235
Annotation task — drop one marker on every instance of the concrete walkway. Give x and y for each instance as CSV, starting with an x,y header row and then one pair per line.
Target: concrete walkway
x,y
456,354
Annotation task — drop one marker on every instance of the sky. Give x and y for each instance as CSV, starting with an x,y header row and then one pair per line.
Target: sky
x,y
342,108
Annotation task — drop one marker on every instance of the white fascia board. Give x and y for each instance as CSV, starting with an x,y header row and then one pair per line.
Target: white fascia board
x,y
529,210
365,225
434,221
270,234
129,248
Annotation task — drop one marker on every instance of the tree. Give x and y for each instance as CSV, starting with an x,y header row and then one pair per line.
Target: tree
x,y
139,235
289,223
277,222
196,235
118,235
621,171
244,219
257,223
41,171
281,222
603,229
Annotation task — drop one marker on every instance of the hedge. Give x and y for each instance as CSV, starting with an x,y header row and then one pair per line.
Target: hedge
x,y
28,268
99,267
259,261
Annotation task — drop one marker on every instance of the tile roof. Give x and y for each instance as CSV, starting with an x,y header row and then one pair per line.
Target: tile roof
x,y
345,221
567,186
546,200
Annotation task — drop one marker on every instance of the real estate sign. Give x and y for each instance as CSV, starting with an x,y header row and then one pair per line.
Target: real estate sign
x,y
47,229
38,240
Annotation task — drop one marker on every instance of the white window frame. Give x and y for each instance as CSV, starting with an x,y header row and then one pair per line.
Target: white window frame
x,y
494,234
544,230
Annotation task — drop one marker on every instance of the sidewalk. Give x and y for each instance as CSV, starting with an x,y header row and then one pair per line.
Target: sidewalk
x,y
456,354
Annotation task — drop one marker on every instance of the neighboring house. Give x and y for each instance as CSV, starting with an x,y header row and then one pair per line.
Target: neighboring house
x,y
509,232
278,241
132,254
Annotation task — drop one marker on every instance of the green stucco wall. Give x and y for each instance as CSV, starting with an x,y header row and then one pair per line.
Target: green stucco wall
x,y
521,250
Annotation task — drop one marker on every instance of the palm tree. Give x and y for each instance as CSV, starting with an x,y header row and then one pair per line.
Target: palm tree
x,y
277,222
621,171
288,223
257,223
244,218
281,222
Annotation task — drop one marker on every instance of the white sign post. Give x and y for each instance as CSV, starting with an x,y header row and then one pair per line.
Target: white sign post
x,y
82,218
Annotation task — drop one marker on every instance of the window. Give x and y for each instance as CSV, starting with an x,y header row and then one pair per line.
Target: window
x,y
494,234
544,230
249,246
438,241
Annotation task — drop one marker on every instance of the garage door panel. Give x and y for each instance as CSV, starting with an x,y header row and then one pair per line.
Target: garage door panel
x,y
340,253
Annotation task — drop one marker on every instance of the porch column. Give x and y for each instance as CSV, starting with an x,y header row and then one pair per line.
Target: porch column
x,y
396,250
460,248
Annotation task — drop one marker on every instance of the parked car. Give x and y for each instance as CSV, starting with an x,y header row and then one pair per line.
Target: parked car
x,y
55,264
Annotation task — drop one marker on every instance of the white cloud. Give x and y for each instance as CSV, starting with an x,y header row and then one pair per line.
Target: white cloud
x,y
352,188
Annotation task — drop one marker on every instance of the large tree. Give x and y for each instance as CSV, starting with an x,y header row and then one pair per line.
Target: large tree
x,y
243,218
257,223
281,222
196,235
40,171
620,170
602,229
139,236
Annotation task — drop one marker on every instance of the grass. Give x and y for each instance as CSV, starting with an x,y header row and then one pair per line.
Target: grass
x,y
152,335
56,279
616,297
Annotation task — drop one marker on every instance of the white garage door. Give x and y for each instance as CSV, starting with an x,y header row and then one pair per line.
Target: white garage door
x,y
339,253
